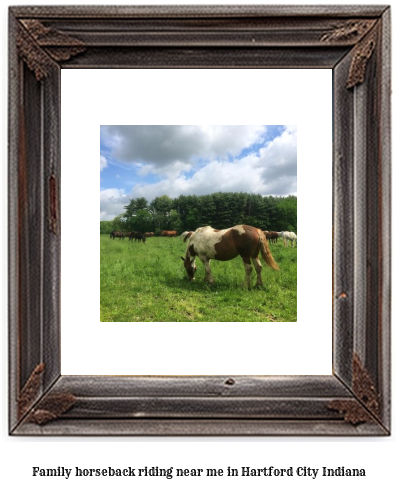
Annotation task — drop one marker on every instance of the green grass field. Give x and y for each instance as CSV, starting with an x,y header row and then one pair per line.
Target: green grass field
x,y
147,282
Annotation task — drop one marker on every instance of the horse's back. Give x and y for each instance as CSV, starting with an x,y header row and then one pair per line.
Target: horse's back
x,y
224,244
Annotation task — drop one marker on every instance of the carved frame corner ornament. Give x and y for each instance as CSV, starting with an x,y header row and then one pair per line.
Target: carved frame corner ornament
x,y
50,407
364,32
366,406
348,31
361,56
354,43
30,391
38,46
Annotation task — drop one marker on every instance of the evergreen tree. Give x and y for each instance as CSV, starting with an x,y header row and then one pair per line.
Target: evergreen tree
x,y
160,208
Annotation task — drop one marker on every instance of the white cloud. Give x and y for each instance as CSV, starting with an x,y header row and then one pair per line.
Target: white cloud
x,y
273,171
239,176
164,146
112,201
103,162
172,171
278,161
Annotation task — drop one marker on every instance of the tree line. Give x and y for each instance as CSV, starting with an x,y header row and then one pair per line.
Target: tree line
x,y
220,210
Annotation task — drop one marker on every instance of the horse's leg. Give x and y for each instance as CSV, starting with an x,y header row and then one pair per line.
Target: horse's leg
x,y
208,272
258,269
248,271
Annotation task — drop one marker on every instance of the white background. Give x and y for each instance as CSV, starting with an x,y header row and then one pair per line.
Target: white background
x,y
193,97
377,455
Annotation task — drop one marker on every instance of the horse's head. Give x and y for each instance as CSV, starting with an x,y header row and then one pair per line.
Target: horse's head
x,y
190,267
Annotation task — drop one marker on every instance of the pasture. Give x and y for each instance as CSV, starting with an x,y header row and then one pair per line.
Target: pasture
x,y
148,282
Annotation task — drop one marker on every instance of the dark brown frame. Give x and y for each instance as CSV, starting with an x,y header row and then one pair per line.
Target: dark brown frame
x,y
353,41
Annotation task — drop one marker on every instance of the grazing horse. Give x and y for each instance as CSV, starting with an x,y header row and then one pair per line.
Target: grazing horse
x,y
148,234
241,240
169,233
288,236
272,236
137,236
119,234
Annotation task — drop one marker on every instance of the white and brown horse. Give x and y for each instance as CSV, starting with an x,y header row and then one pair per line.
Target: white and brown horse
x,y
241,240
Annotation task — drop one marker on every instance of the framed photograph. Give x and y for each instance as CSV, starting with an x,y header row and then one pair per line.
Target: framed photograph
x,y
48,45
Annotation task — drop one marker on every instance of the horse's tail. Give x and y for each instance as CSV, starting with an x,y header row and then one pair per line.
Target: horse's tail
x,y
265,251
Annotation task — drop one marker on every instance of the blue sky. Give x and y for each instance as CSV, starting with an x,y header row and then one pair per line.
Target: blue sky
x,y
153,160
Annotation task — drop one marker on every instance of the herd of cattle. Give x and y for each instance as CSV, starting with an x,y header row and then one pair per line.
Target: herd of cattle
x,y
271,236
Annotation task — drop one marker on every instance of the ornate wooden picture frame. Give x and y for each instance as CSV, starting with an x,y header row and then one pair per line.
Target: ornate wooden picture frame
x,y
352,41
